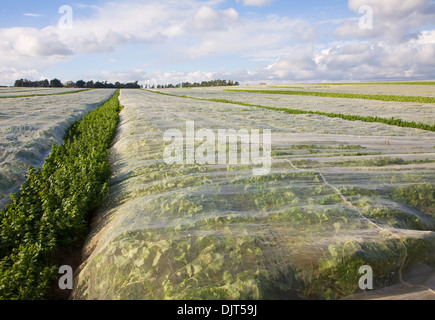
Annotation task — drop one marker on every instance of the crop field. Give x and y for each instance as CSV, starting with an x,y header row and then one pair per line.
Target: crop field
x,y
29,126
407,111
344,183
339,195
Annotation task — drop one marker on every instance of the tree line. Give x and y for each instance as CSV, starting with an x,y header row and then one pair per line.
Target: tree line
x,y
212,83
56,83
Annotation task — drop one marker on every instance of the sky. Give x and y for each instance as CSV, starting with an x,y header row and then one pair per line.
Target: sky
x,y
250,41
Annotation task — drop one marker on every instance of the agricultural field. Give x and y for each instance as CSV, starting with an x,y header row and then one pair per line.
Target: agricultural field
x,y
407,111
30,126
424,89
339,195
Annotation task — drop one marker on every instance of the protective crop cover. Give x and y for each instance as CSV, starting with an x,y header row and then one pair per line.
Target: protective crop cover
x,y
30,126
339,195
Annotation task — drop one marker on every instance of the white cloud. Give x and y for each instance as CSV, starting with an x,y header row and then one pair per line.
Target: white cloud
x,y
10,74
400,45
426,37
350,61
354,61
256,3
34,15
258,39
187,30
208,19
394,20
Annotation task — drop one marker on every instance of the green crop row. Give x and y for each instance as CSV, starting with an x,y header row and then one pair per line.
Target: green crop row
x,y
52,209
380,97
388,121
419,83
420,196
371,162
284,87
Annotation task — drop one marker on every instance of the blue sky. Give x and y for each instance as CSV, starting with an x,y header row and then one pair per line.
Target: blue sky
x,y
250,41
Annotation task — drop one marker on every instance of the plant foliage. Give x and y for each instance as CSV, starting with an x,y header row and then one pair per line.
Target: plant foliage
x,y
51,211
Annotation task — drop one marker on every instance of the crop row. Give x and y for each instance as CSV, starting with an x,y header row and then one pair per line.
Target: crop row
x,y
388,121
211,245
419,83
51,211
380,97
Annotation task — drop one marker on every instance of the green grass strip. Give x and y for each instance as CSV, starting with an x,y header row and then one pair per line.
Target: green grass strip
x,y
284,87
389,121
379,97
51,211
408,83
44,94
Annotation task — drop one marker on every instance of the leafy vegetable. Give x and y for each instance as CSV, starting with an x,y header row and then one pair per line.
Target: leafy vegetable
x,y
52,209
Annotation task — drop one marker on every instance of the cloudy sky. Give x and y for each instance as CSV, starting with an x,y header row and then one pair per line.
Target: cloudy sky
x,y
250,41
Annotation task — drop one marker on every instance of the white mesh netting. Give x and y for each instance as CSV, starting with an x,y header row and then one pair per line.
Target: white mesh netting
x,y
30,126
339,195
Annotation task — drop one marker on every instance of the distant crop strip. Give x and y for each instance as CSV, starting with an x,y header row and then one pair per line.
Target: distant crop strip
x,y
379,97
388,121
44,94
416,83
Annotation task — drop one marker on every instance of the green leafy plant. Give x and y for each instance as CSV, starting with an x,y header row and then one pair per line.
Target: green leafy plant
x,y
52,209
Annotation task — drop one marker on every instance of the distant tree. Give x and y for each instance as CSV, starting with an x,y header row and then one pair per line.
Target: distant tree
x,y
31,84
56,83
98,85
80,84
45,83
70,84
19,83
